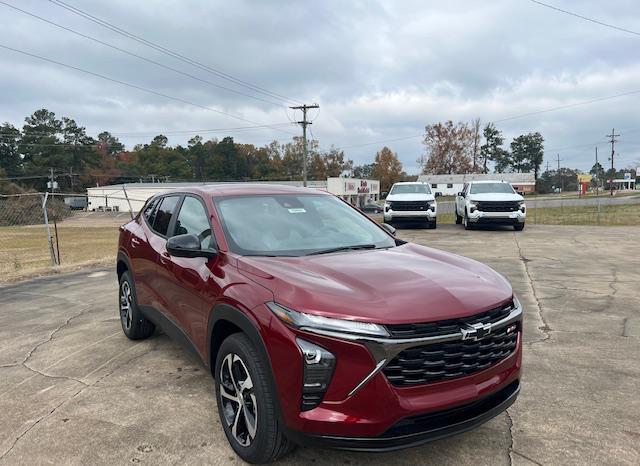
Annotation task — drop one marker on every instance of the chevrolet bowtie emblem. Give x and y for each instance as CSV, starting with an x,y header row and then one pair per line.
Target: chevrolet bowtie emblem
x,y
475,331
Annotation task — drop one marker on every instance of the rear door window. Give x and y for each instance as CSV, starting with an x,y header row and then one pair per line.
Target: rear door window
x,y
164,214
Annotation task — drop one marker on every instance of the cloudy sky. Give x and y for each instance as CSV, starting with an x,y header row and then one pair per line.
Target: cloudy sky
x,y
380,71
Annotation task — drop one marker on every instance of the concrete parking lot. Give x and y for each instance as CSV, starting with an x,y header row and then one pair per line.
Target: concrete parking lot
x,y
74,390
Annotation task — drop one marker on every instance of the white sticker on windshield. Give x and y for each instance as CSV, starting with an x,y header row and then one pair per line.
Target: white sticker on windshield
x,y
296,211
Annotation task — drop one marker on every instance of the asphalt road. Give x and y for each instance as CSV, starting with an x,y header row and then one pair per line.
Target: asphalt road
x,y
74,390
448,206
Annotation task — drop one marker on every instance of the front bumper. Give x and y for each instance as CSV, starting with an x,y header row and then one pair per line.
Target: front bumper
x,y
350,416
428,215
417,430
504,218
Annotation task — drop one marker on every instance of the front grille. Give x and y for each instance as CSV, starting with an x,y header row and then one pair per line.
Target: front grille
x,y
410,206
449,360
498,206
447,327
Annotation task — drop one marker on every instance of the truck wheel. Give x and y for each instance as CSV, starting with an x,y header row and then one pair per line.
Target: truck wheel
x,y
432,225
246,403
458,218
134,324
519,226
467,224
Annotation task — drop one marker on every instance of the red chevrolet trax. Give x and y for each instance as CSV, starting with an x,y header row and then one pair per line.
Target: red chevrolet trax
x,y
318,325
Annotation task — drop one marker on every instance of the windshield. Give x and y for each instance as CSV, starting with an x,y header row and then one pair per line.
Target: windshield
x,y
484,188
294,225
410,189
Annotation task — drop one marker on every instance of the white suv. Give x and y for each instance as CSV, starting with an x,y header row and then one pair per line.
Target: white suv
x,y
411,201
490,202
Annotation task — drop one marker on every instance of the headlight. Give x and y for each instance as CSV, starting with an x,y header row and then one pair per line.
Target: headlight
x,y
472,207
318,369
433,206
522,206
312,322
387,206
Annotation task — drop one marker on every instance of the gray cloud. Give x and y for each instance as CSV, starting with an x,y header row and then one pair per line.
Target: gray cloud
x,y
380,70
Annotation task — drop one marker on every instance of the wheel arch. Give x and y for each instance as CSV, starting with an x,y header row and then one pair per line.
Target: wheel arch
x,y
122,264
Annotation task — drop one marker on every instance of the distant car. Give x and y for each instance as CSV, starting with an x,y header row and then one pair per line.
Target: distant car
x,y
372,208
411,201
490,202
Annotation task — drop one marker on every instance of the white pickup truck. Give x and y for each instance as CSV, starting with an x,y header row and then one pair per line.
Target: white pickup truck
x,y
490,202
411,201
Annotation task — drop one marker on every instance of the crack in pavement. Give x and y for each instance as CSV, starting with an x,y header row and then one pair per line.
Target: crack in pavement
x,y
545,328
510,422
527,458
72,397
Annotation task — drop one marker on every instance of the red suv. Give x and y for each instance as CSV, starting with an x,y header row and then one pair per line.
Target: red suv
x,y
318,325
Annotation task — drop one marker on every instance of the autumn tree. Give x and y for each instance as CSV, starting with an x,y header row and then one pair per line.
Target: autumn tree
x,y
448,148
364,171
387,169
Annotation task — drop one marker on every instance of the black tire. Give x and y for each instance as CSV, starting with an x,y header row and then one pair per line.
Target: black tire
x,y
467,224
519,226
269,442
458,218
432,225
134,325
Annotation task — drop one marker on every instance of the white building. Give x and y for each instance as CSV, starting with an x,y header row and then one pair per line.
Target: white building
x,y
132,196
450,185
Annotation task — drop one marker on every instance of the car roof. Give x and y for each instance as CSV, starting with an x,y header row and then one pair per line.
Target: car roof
x,y
244,189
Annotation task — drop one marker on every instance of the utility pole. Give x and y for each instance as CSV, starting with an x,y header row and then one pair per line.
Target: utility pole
x,y
613,141
304,124
597,177
559,174
51,179
547,165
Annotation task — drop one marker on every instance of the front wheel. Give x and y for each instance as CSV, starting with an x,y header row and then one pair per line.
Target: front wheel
x,y
467,224
519,226
247,404
432,225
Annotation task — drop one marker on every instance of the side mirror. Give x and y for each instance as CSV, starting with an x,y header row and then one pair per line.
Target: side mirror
x,y
437,194
389,229
520,192
461,194
187,246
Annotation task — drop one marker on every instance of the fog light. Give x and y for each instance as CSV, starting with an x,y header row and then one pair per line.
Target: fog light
x,y
318,369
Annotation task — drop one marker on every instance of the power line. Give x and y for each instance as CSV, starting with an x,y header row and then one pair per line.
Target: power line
x,y
170,52
140,57
617,28
133,86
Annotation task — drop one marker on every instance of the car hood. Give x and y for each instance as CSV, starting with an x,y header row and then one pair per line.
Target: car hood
x,y
410,197
404,284
495,197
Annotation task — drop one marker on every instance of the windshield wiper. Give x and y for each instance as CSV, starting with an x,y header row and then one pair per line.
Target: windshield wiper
x,y
343,248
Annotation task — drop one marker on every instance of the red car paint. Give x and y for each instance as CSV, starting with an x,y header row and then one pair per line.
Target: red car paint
x,y
404,284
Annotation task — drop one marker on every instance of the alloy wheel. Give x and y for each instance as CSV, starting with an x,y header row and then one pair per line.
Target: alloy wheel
x,y
238,399
125,305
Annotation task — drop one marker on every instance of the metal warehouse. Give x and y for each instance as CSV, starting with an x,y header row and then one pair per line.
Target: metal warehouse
x,y
131,197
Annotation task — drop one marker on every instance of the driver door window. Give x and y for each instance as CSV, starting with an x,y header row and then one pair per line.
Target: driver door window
x,y
193,219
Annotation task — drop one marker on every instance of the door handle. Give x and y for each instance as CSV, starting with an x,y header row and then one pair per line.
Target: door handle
x,y
164,258
135,242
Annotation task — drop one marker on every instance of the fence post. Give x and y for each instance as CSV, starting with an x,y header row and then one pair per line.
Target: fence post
x,y
598,210
45,198
124,189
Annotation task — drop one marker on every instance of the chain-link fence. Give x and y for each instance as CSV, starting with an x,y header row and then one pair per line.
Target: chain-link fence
x,y
39,231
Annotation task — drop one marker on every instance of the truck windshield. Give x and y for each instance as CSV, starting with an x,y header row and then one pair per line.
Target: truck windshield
x,y
485,188
296,225
410,189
